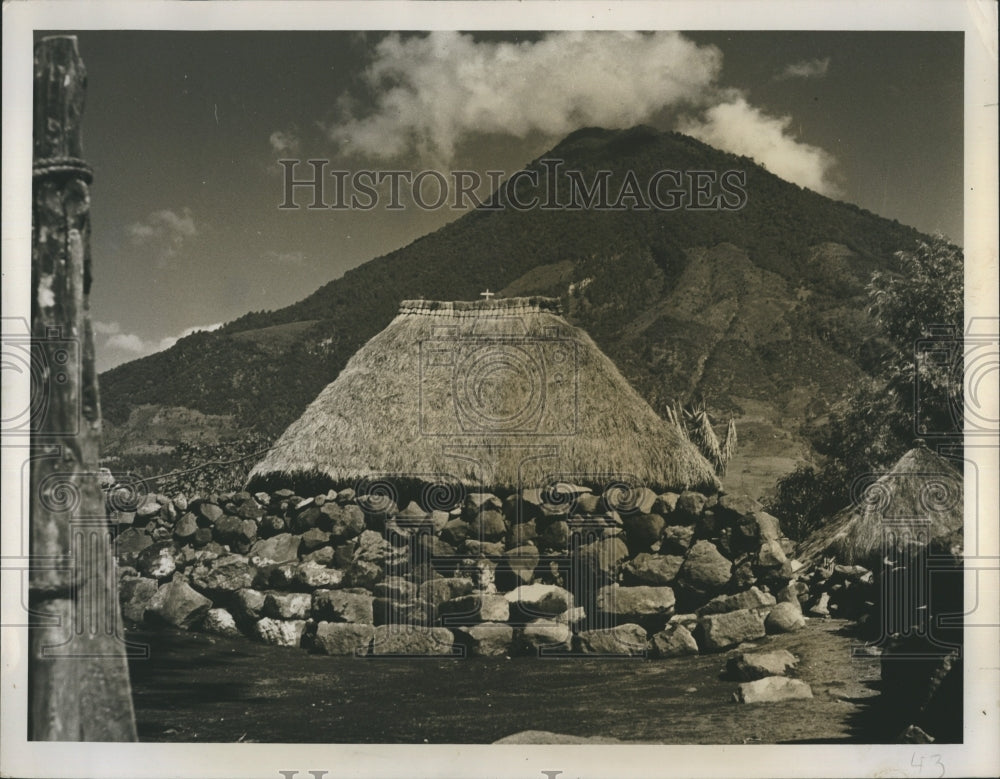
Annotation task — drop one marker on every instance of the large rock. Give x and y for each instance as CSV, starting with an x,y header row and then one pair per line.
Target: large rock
x,y
291,605
553,534
135,594
772,689
490,525
343,638
395,588
157,561
227,529
311,575
705,571
677,539
282,548
373,548
186,527
210,512
721,631
221,623
411,641
786,617
689,507
652,569
487,639
539,600
456,531
735,505
223,576
749,666
249,604
129,543
363,574
601,559
177,604
522,562
771,555
437,591
647,606
343,606
392,611
314,539
477,502
748,599
674,641
759,525
627,639
642,531
342,522
474,608
544,635
279,632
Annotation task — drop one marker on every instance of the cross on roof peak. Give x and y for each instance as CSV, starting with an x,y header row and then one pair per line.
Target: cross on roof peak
x,y
487,294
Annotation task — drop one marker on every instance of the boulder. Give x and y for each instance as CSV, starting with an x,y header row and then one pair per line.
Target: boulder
x,y
822,606
665,504
343,638
223,576
539,600
522,534
674,641
314,539
279,632
455,532
202,537
522,561
467,609
129,543
689,507
227,529
305,518
490,525
291,605
786,617
652,569
343,606
392,611
177,604
221,623
771,555
135,593
477,502
186,526
210,513
748,599
553,534
647,606
395,588
437,591
772,689
475,548
544,635
749,666
735,505
282,548
157,561
642,531
249,604
721,631
147,509
600,559
628,639
322,556
310,575
588,504
705,571
487,639
411,641
363,574
342,521
677,539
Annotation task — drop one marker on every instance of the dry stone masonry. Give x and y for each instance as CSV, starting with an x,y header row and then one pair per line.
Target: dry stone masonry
x,y
659,575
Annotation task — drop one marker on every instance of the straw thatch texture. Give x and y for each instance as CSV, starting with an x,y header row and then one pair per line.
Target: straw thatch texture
x,y
501,394
919,501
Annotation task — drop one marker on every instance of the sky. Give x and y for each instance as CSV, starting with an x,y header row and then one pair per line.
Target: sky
x,y
185,130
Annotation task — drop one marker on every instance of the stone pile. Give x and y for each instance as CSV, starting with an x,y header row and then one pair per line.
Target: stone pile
x,y
625,572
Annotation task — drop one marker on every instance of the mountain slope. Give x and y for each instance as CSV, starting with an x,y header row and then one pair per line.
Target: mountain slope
x,y
761,310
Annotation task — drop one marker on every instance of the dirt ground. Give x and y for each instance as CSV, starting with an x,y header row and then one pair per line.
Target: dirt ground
x,y
197,688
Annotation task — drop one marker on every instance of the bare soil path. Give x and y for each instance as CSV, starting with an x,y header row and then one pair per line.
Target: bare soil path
x,y
196,688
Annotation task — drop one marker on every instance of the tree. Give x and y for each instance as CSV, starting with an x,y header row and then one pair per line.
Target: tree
x,y
917,391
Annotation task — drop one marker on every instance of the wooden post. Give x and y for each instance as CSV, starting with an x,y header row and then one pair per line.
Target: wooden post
x,y
78,687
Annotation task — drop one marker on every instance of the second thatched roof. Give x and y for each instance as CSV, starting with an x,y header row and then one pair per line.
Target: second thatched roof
x,y
502,394
919,501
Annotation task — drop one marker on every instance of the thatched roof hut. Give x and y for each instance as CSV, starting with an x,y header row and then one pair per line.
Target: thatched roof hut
x,y
918,502
500,394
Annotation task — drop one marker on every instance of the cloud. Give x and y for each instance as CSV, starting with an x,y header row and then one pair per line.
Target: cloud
x,y
431,92
165,228
741,128
286,258
115,347
816,68
284,142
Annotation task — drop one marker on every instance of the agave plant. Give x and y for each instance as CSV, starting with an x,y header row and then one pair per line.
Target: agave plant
x,y
693,422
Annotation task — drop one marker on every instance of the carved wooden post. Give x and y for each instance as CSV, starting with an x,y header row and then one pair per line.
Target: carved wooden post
x,y
77,675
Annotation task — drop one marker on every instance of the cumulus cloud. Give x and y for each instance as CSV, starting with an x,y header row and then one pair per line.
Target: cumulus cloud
x,y
816,68
426,94
115,346
284,141
740,128
430,92
165,227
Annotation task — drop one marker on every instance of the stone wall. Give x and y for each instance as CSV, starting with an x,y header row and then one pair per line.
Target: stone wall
x,y
631,573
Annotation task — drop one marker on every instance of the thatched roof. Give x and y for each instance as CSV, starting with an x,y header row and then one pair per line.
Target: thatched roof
x,y
919,501
497,393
